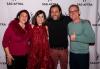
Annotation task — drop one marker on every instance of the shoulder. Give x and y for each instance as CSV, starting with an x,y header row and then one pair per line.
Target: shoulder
x,y
13,22
66,19
49,19
11,26
70,23
46,27
29,27
32,26
85,21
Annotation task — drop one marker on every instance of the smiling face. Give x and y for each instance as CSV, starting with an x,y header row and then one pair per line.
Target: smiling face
x,y
40,19
55,13
74,13
23,17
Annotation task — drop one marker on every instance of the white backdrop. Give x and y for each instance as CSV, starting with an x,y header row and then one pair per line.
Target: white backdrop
x,y
89,9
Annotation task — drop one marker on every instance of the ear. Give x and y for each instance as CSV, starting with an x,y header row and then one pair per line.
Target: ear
x,y
79,13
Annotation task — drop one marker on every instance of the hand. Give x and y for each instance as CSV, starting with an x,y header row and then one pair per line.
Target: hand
x,y
9,59
73,37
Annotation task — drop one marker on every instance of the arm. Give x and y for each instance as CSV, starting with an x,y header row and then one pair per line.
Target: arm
x,y
6,44
8,56
88,35
47,31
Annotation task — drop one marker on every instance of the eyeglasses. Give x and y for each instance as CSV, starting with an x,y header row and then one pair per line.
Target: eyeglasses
x,y
73,11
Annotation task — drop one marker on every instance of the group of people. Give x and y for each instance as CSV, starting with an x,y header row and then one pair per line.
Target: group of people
x,y
44,43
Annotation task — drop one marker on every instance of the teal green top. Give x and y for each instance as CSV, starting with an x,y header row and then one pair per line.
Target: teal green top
x,y
84,36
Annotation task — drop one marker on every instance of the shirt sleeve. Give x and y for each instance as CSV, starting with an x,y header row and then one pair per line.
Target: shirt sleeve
x,y
7,37
88,35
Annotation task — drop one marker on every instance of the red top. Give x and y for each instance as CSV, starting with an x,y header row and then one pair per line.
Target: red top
x,y
17,39
39,52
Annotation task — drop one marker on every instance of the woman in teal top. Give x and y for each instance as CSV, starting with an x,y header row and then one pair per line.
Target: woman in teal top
x,y
81,34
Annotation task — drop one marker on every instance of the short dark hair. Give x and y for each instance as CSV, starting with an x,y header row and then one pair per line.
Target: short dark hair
x,y
35,16
73,5
55,5
19,13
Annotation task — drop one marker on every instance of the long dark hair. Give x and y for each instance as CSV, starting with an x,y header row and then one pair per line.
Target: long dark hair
x,y
19,13
34,21
55,5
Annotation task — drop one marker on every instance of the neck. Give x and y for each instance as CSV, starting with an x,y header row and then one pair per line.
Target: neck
x,y
77,20
39,24
22,25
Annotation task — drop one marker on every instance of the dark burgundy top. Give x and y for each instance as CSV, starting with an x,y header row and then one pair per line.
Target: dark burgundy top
x,y
17,39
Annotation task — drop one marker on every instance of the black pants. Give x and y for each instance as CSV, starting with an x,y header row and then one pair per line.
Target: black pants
x,y
79,61
20,62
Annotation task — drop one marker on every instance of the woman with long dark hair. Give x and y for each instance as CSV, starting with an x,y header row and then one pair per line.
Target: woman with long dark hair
x,y
39,52
16,41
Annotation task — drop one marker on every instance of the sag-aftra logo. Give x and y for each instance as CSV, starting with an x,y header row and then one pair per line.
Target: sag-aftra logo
x,y
14,2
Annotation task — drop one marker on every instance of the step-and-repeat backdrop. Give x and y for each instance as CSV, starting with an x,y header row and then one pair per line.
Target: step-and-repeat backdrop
x,y
89,9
